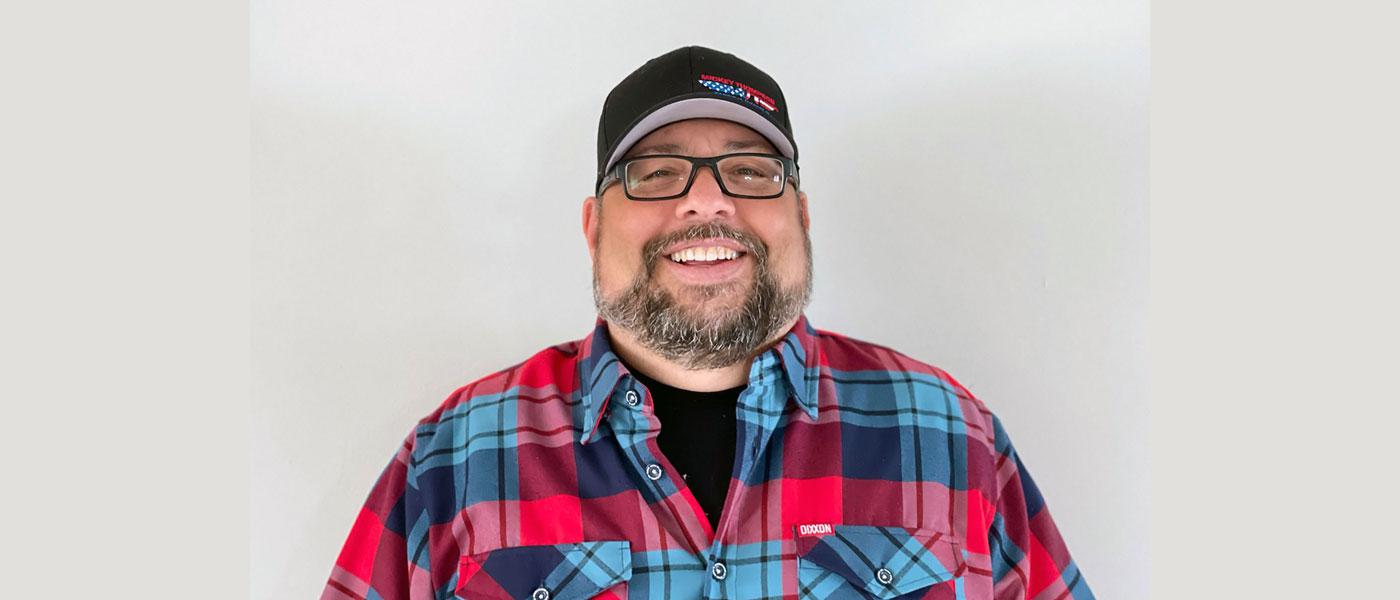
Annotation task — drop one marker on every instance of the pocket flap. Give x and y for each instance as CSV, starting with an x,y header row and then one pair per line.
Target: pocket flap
x,y
565,571
885,562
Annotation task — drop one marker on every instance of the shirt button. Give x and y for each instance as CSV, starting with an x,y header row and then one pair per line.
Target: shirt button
x,y
653,471
631,398
539,594
718,571
885,576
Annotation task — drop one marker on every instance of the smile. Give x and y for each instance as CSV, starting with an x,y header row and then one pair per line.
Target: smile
x,y
703,255
707,264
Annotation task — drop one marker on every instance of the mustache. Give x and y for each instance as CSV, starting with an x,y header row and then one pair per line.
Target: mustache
x,y
651,252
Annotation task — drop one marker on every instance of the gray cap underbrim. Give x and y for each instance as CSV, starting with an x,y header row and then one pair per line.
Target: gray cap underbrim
x,y
701,108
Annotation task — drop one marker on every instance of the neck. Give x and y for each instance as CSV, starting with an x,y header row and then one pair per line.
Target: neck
x,y
639,357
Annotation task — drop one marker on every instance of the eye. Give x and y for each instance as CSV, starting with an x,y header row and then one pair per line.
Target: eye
x,y
656,171
751,170
657,174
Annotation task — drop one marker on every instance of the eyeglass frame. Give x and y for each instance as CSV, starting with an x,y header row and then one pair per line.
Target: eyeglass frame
x,y
616,174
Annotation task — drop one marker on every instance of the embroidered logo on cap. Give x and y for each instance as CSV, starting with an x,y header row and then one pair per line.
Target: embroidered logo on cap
x,y
729,87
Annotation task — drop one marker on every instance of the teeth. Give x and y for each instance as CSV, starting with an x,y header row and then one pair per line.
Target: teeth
x,y
709,254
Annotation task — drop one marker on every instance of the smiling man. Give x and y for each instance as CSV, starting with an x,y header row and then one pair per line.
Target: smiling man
x,y
698,264
705,440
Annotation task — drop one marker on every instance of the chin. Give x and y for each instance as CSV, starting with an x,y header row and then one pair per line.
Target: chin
x,y
732,294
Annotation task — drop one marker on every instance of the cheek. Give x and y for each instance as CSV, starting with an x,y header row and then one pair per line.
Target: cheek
x,y
627,225
619,252
787,250
621,247
612,260
790,260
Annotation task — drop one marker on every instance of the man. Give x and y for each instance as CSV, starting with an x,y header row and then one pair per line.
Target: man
x,y
705,441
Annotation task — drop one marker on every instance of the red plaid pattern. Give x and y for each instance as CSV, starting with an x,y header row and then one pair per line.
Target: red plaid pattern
x,y
859,472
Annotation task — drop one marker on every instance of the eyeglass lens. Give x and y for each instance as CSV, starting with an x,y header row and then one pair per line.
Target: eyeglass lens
x,y
662,176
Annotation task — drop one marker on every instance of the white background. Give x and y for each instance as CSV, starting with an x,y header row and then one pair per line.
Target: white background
x,y
124,318
978,183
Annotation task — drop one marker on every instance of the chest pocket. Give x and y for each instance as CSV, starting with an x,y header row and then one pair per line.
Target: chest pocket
x,y
866,561
556,572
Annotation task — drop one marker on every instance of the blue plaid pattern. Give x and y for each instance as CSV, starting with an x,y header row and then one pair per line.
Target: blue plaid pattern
x,y
542,476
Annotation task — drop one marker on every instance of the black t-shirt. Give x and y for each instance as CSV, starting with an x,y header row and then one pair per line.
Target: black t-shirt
x,y
698,435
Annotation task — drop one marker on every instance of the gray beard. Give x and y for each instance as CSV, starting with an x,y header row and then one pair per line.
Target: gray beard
x,y
692,340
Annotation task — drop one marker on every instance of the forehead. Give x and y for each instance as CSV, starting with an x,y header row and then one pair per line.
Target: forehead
x,y
701,137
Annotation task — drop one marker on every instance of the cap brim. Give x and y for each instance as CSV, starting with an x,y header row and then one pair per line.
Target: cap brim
x,y
708,107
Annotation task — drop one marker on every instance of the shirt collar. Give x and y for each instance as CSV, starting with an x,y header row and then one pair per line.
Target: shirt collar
x,y
600,371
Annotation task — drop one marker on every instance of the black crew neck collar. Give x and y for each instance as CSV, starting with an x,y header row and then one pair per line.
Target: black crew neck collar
x,y
661,388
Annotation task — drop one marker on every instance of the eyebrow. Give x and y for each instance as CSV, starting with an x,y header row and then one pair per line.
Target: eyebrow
x,y
656,149
676,149
741,145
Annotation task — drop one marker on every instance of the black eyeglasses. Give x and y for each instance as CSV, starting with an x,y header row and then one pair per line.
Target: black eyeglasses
x,y
667,176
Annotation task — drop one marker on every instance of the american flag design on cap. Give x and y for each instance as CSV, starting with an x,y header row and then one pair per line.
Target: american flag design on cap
x,y
721,85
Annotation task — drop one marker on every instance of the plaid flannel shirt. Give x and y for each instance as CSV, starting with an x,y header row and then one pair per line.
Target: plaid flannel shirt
x,y
859,473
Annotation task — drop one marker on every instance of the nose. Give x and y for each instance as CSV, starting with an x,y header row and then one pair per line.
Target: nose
x,y
706,200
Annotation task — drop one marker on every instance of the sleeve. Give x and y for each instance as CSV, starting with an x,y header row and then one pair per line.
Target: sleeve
x,y
1029,558
375,561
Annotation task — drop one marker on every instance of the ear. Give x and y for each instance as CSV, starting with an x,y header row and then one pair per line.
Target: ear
x,y
806,216
590,224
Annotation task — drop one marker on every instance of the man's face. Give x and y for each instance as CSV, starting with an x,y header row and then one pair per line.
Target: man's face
x,y
697,312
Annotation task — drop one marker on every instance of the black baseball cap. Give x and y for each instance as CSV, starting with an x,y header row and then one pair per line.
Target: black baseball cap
x,y
691,83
